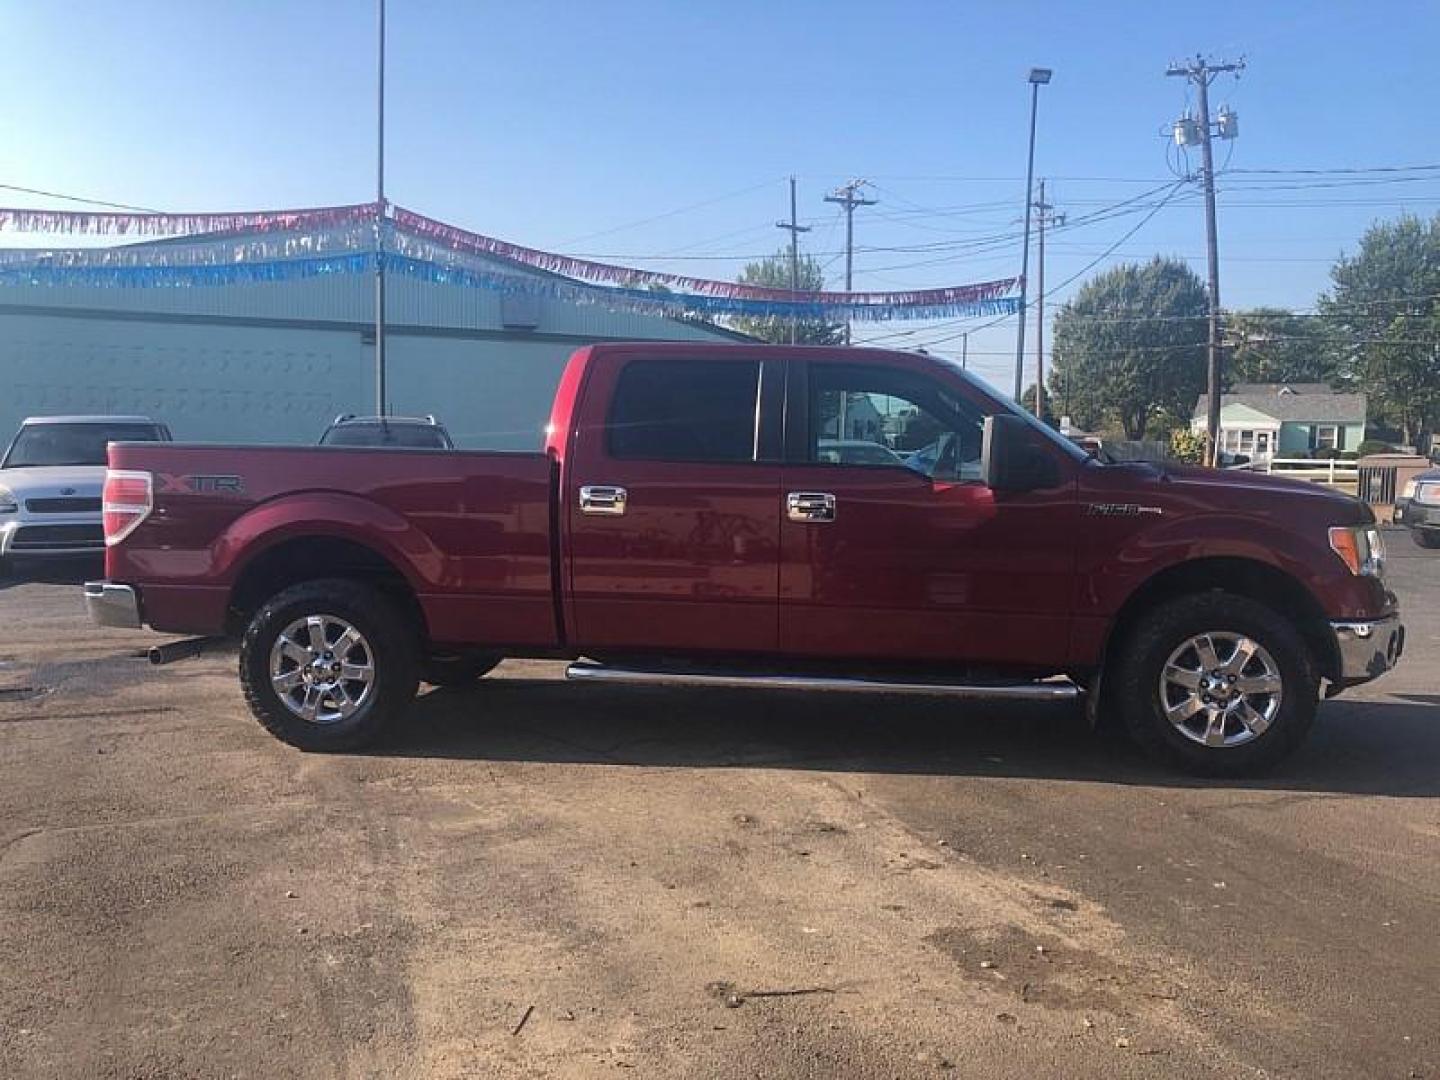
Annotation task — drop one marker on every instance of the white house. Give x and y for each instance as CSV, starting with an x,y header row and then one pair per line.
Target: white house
x,y
1265,420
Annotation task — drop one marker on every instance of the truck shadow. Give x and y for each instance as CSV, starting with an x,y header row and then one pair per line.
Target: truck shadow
x,y
1357,747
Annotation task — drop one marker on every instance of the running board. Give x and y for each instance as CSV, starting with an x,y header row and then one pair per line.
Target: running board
x,y
1018,691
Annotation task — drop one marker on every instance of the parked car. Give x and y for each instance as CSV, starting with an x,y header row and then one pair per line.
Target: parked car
x,y
680,526
410,432
51,478
1419,508
856,452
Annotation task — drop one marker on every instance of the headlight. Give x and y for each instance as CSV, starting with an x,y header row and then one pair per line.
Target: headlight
x,y
8,505
1361,548
1409,490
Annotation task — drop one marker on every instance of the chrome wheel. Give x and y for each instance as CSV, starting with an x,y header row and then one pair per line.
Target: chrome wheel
x,y
322,669
1221,689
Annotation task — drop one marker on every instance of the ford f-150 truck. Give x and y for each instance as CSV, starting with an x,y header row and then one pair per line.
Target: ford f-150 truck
x,y
687,520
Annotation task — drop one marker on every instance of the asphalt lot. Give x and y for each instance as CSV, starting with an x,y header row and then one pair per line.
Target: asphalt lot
x,y
542,879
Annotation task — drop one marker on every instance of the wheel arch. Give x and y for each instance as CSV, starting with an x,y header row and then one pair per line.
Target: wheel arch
x,y
311,555
1260,581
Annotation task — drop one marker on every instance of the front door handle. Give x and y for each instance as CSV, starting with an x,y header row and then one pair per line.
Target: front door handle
x,y
603,499
810,506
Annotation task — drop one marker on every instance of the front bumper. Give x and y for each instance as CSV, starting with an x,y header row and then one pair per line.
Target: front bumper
x,y
1368,647
51,536
1417,515
112,605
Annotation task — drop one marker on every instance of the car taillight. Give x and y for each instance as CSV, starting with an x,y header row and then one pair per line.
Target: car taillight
x,y
128,500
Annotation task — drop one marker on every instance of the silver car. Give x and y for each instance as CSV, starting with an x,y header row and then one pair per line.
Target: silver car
x,y
51,478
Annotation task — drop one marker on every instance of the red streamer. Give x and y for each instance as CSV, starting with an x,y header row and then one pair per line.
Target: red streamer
x,y
460,240
109,223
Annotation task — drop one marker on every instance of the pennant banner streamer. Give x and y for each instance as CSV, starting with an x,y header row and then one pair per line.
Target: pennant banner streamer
x,y
107,223
342,240
585,269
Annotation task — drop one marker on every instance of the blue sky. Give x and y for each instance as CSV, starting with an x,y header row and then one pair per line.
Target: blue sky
x,y
634,130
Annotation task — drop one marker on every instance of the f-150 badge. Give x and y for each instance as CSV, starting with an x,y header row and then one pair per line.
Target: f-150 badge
x,y
1121,510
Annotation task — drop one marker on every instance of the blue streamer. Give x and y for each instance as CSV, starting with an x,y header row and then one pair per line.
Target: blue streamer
x,y
641,301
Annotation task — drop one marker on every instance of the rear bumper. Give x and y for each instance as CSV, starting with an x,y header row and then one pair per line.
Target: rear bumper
x,y
1368,647
112,605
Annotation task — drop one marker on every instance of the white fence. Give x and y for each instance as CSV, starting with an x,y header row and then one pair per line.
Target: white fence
x,y
1336,473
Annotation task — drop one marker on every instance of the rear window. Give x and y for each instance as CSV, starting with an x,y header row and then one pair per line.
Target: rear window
x,y
405,436
684,410
39,445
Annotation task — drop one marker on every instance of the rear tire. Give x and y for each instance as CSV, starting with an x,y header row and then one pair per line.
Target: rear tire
x,y
1215,684
329,664
460,669
1426,538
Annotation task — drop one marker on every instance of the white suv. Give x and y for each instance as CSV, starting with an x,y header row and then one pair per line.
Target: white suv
x,y
51,478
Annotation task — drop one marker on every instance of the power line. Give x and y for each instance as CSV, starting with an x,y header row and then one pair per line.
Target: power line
x,y
1174,188
79,199
670,213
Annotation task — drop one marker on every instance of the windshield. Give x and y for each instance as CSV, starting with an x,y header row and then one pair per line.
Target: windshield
x,y
72,444
1045,429
407,436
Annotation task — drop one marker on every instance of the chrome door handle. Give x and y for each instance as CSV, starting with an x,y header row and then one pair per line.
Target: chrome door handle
x,y
810,506
603,499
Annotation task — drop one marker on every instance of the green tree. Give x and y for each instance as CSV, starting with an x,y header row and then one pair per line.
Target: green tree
x,y
1384,308
1130,347
1271,346
1187,446
774,273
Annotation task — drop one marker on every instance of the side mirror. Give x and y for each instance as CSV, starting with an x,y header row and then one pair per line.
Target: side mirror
x,y
1009,458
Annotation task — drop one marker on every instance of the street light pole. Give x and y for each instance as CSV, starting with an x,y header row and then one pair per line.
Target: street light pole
x,y
1038,78
380,223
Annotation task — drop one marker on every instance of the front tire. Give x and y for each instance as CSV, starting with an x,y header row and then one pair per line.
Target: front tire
x,y
1426,538
329,664
1216,684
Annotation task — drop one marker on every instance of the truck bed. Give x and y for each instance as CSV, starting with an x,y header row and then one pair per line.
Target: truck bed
x,y
471,532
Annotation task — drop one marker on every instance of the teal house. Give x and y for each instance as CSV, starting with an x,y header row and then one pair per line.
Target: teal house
x,y
1270,420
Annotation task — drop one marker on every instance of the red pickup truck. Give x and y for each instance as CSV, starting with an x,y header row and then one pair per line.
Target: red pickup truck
x,y
767,516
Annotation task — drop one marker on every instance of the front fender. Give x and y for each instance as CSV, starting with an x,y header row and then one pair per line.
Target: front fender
x,y
1115,575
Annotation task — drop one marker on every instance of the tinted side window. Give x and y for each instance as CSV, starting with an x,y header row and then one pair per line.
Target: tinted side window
x,y
684,410
883,416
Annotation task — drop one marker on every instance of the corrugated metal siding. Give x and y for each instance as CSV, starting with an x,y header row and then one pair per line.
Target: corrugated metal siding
x,y
207,382
284,383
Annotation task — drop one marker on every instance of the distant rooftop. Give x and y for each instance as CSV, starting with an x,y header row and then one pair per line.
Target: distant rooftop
x,y
1297,401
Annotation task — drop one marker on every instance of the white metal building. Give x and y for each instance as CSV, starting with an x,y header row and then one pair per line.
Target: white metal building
x,y
276,361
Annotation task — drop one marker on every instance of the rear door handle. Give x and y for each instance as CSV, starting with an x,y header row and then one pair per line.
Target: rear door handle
x,y
603,499
810,506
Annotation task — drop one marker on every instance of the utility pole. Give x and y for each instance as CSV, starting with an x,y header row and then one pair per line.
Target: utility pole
x,y
1044,217
965,351
1038,77
1189,131
380,223
795,229
848,196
